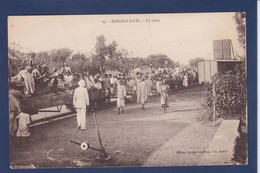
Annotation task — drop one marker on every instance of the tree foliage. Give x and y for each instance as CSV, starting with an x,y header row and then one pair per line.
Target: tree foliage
x,y
107,56
158,60
59,56
15,59
230,100
240,19
101,51
194,62
78,63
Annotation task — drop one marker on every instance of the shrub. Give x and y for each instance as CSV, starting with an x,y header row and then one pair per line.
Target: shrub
x,y
230,87
241,145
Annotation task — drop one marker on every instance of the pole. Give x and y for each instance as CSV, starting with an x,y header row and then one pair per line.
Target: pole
x,y
95,119
214,101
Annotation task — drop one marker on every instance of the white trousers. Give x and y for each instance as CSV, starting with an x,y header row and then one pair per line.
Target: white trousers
x,y
81,117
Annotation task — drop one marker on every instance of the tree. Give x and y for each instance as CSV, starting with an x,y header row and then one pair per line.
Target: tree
x,y
240,19
43,58
194,62
78,63
59,56
109,57
15,59
118,61
158,60
111,50
101,51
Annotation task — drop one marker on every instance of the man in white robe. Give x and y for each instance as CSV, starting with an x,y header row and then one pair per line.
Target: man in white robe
x,y
121,94
29,85
149,84
142,92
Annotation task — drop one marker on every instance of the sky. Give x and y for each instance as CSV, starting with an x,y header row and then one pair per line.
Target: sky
x,y
180,36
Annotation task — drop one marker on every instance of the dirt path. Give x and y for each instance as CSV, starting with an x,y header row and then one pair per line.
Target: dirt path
x,y
137,138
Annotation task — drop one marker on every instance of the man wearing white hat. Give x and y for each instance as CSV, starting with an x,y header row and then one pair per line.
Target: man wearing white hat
x,y
80,102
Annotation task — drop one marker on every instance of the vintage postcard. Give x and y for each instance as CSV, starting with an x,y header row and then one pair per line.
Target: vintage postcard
x,y
132,90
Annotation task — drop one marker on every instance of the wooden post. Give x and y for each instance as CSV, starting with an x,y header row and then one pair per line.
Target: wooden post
x,y
97,129
214,101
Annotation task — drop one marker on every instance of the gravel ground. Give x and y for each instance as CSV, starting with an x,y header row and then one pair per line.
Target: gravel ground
x,y
136,138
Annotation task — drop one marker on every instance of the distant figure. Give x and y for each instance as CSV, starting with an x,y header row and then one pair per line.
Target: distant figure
x,y
97,84
107,87
68,79
185,81
149,84
75,80
132,84
138,81
65,69
80,102
164,94
113,85
89,83
158,86
29,61
121,94
36,72
142,92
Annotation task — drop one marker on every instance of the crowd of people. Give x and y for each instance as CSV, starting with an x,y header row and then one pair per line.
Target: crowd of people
x,y
140,85
38,80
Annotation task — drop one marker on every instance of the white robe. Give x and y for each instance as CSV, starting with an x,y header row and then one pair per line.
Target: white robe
x,y
24,121
158,86
185,81
138,81
29,86
121,94
149,84
142,92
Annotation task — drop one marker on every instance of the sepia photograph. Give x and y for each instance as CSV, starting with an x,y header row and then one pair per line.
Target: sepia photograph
x,y
127,90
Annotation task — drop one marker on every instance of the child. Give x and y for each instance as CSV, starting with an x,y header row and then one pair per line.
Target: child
x,y
164,94
121,94
80,102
